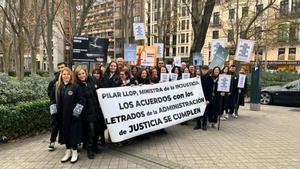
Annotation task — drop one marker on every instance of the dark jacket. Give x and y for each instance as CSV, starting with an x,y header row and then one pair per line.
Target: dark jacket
x,y
232,98
207,86
216,96
67,98
243,93
51,88
144,81
108,81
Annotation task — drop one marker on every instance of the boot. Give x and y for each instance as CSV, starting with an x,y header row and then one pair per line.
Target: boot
x,y
74,158
67,156
90,152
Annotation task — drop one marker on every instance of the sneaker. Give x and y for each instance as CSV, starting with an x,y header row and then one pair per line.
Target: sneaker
x,y
234,115
51,146
197,127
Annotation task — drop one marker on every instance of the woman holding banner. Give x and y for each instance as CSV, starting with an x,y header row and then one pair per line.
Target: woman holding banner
x,y
144,77
69,100
91,114
225,116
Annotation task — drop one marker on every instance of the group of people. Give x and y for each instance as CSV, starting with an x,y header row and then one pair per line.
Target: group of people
x,y
77,116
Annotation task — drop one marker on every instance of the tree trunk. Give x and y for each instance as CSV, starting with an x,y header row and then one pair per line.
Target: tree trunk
x,y
200,26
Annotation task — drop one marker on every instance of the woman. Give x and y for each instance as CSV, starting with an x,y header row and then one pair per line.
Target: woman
x,y
91,114
216,97
69,100
154,76
111,76
97,76
125,78
144,77
198,72
225,116
177,70
134,72
242,92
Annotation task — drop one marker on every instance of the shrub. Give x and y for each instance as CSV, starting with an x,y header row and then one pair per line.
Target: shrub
x,y
24,118
31,88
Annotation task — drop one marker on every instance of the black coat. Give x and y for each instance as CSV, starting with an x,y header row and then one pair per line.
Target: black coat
x,y
113,81
67,97
216,97
232,98
51,88
144,81
242,94
207,86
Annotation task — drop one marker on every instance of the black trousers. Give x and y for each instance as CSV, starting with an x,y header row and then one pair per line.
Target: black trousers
x,y
202,120
55,126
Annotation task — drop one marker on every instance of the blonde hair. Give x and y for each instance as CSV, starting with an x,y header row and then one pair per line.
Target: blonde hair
x,y
59,82
77,70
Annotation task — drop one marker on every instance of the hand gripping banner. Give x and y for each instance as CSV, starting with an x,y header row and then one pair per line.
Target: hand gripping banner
x,y
132,111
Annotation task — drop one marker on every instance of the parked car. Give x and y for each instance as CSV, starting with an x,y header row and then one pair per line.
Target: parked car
x,y
288,94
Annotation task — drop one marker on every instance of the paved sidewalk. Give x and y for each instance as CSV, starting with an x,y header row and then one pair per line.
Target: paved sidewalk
x,y
266,139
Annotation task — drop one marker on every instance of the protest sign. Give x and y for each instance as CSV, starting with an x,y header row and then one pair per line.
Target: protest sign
x,y
220,57
160,49
186,75
129,52
224,83
173,76
242,80
215,44
177,61
164,77
197,59
132,111
146,55
244,50
139,31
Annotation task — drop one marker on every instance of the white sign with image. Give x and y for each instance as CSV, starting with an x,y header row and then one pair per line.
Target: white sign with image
x,y
224,83
242,81
164,77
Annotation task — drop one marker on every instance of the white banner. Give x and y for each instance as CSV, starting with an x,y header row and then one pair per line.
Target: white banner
x,y
224,83
139,31
242,80
215,43
160,49
132,111
244,50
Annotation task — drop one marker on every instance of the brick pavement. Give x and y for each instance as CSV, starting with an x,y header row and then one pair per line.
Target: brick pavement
x,y
266,139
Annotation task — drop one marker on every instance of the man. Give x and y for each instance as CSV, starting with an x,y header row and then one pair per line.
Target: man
x,y
120,62
207,87
232,98
55,119
192,70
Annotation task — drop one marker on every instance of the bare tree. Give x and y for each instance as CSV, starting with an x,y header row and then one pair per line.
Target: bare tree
x,y
200,12
32,29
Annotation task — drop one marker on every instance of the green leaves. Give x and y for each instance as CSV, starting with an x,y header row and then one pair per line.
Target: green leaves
x,y
24,118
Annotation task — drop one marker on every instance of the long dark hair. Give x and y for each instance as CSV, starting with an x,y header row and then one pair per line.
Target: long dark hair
x,y
107,71
213,70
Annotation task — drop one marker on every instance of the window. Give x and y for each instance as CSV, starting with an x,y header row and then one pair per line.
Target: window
x,y
245,11
167,51
167,40
182,24
230,35
183,11
258,32
174,40
186,49
137,19
281,53
296,6
182,50
292,54
182,40
155,16
187,38
187,24
284,7
293,33
216,19
231,13
215,34
174,52
259,8
282,33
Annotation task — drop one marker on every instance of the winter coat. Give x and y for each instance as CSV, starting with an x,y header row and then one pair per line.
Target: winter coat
x,y
69,101
113,81
216,97
207,86
232,98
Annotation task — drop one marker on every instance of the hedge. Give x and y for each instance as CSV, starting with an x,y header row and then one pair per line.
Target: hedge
x,y
24,118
